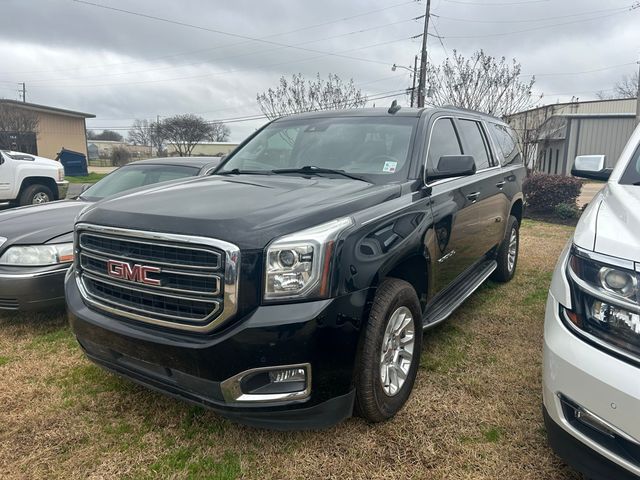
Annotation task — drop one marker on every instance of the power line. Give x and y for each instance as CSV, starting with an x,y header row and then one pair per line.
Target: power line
x,y
577,73
498,34
225,72
222,32
258,116
495,4
531,20
261,52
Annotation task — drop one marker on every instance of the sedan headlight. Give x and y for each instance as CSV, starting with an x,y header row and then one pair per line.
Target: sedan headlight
x,y
607,300
38,255
298,265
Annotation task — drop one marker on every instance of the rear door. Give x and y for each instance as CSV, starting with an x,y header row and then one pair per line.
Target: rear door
x,y
484,190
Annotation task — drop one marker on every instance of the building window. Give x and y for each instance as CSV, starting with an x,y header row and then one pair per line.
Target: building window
x,y
557,157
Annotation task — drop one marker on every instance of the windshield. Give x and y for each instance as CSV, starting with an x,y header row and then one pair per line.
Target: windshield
x,y
631,175
134,176
373,148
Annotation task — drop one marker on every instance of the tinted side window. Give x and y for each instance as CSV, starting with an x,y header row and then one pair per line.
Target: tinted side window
x,y
505,137
444,141
475,142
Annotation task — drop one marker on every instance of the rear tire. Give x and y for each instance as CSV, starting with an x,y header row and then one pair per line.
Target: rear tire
x,y
36,195
388,361
507,255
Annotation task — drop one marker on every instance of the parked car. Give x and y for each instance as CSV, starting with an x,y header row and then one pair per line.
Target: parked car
x,y
591,372
28,179
296,281
36,246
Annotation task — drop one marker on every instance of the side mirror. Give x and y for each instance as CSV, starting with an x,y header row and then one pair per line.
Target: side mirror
x,y
84,188
592,167
450,166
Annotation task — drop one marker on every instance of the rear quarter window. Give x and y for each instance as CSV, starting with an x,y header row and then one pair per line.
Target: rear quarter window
x,y
508,151
475,142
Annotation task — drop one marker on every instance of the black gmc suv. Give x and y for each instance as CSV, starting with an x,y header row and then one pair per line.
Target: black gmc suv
x,y
293,285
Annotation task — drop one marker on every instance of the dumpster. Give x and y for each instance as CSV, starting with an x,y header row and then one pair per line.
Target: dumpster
x,y
74,163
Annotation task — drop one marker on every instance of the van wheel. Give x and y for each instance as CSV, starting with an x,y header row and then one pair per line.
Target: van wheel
x,y
390,352
35,195
507,256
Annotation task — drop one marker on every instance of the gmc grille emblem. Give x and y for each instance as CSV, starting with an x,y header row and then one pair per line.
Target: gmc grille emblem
x,y
136,273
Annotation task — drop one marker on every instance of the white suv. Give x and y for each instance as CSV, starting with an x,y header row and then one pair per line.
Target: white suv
x,y
28,179
591,379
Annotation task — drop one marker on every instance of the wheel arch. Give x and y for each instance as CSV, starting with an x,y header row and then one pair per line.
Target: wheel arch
x,y
46,181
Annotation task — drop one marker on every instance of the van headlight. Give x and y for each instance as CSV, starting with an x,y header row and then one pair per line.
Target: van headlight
x,y
607,300
38,255
298,265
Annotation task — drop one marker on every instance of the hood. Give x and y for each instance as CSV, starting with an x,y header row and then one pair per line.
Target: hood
x,y
618,222
247,210
47,161
38,224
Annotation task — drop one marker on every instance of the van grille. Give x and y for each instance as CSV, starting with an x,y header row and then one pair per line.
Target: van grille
x,y
164,279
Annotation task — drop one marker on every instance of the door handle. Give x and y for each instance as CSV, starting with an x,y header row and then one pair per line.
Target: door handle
x,y
501,184
473,196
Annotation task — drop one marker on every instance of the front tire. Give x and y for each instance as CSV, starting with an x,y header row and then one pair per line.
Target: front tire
x,y
36,195
390,353
507,255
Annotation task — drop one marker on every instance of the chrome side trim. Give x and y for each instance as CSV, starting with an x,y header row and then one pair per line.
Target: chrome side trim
x,y
232,390
231,275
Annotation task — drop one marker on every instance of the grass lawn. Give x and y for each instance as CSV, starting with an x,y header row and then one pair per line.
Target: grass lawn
x,y
475,412
91,178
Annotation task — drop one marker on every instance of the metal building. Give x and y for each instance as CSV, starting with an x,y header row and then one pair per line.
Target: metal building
x,y
552,136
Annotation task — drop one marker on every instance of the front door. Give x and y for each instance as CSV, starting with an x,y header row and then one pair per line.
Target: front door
x,y
455,222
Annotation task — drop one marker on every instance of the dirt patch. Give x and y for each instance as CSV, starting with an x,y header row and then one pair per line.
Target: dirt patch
x,y
475,412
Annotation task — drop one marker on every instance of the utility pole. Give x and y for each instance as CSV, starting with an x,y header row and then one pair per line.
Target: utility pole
x,y
415,72
423,59
23,92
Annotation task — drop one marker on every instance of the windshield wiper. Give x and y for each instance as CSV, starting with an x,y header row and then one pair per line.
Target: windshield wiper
x,y
237,171
310,169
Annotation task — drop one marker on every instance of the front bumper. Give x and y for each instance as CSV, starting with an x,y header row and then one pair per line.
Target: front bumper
x,y
606,388
31,288
192,367
63,188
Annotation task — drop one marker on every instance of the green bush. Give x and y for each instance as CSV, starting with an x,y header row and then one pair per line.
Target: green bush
x,y
566,211
544,192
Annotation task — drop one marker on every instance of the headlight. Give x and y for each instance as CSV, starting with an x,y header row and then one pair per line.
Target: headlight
x,y
297,265
38,255
60,174
607,300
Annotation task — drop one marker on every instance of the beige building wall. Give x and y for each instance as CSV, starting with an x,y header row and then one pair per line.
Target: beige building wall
x,y
57,131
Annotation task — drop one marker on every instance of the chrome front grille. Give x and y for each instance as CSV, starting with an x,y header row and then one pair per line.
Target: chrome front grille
x,y
175,281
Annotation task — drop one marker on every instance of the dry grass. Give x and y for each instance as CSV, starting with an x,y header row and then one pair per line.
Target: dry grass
x,y
475,412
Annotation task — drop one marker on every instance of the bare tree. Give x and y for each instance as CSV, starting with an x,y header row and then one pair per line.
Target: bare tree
x,y
16,122
626,87
184,132
482,82
219,132
140,133
300,95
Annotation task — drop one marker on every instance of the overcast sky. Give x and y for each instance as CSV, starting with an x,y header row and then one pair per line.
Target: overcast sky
x,y
120,66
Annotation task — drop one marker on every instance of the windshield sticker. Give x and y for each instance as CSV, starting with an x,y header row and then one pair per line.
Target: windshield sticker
x,y
389,167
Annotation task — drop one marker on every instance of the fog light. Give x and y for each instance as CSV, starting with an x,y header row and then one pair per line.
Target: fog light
x,y
288,375
269,384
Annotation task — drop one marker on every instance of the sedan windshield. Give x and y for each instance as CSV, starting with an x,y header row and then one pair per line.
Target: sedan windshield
x,y
631,175
134,176
372,148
